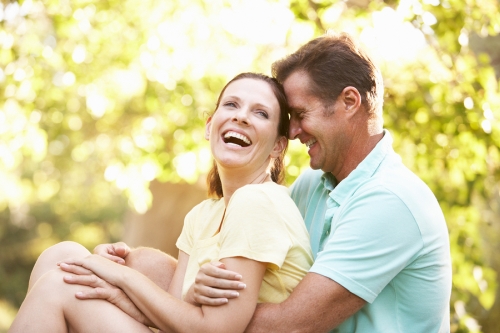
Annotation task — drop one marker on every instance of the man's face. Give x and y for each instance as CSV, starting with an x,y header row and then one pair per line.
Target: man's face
x,y
323,129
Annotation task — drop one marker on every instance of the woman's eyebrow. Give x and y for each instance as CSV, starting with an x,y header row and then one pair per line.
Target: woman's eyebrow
x,y
260,105
231,97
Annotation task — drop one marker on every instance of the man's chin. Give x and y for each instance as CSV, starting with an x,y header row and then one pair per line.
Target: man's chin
x,y
314,166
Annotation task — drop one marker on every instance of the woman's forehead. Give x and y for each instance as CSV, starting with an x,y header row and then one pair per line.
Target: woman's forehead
x,y
254,90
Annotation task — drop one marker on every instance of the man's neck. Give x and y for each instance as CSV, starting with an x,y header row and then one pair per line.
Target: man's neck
x,y
361,147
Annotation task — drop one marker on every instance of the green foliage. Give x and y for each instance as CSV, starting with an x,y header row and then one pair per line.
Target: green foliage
x,y
101,97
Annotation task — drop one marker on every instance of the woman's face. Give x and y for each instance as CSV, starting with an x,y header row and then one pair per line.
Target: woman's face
x,y
243,131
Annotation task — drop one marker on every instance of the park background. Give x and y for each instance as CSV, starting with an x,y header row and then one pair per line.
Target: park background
x,y
102,107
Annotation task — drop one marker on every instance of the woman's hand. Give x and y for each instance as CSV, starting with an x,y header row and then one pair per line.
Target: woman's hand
x,y
115,252
105,269
214,285
101,290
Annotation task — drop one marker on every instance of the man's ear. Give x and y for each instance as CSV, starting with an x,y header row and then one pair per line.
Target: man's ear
x,y
208,127
279,146
351,100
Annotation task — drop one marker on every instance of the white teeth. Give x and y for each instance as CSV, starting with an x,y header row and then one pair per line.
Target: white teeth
x,y
310,143
238,136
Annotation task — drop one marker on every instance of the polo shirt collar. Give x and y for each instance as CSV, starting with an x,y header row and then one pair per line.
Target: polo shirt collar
x,y
341,191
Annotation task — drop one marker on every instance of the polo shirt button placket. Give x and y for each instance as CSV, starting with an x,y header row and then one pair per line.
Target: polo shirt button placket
x,y
332,207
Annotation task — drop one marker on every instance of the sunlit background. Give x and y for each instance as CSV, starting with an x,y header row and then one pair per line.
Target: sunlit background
x,y
103,104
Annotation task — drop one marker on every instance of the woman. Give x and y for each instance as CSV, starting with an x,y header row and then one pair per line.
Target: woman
x,y
253,227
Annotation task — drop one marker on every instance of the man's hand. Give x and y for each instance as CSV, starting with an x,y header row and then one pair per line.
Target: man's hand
x,y
214,285
102,290
115,252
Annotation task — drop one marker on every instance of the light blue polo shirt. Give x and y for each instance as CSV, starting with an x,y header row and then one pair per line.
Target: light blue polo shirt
x,y
381,234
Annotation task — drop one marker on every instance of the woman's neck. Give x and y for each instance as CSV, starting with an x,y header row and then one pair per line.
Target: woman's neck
x,y
232,180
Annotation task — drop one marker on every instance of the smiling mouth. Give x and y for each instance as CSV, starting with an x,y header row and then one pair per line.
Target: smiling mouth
x,y
310,143
236,139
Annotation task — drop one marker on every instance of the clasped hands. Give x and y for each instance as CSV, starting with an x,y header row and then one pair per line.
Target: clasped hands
x,y
100,271
214,285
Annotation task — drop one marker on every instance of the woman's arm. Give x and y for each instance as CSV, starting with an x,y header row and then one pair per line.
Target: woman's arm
x,y
173,315
175,287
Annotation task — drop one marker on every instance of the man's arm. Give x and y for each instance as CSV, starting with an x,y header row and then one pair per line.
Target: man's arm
x,y
317,304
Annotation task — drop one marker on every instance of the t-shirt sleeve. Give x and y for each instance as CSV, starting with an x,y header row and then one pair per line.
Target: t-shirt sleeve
x,y
185,241
253,228
373,239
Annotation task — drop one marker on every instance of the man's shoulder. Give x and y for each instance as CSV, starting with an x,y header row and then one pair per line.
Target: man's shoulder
x,y
400,180
307,178
307,187
402,184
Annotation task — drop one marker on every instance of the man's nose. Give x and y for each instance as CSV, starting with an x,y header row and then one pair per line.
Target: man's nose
x,y
294,129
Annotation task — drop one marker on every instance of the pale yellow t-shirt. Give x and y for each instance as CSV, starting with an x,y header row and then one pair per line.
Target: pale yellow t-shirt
x,y
261,223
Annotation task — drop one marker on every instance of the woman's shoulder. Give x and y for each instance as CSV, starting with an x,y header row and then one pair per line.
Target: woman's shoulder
x,y
205,206
269,198
264,189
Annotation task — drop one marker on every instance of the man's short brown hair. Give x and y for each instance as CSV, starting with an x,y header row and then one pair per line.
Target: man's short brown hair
x,y
333,62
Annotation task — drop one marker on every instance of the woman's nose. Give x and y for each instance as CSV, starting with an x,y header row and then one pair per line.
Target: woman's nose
x,y
241,116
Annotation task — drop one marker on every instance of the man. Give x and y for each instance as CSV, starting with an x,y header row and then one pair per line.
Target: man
x,y
378,235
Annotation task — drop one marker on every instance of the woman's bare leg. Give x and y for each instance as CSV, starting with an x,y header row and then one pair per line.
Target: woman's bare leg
x,y
51,306
51,256
155,264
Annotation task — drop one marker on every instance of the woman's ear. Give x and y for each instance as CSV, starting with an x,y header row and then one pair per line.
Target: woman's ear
x,y
279,146
208,126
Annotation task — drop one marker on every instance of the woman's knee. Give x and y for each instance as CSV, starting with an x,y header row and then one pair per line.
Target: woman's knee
x,y
64,250
51,256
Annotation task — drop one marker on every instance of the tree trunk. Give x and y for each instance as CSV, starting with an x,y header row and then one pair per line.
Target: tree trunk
x,y
162,224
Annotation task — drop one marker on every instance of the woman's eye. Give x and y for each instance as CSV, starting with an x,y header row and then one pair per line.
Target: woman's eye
x,y
263,114
230,104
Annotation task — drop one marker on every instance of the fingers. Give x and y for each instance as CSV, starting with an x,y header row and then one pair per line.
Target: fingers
x,y
219,283
97,293
101,289
115,252
217,270
214,285
202,300
101,249
209,292
90,280
75,269
121,249
111,257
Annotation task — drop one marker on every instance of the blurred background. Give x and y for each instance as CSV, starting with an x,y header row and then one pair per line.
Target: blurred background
x,y
102,107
